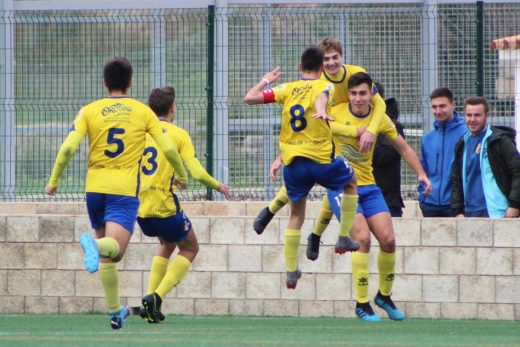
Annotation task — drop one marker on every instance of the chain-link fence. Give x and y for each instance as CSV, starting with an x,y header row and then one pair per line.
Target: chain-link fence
x,y
51,64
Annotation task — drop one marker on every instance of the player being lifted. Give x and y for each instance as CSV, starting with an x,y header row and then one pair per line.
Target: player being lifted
x,y
160,214
307,150
337,73
372,212
116,127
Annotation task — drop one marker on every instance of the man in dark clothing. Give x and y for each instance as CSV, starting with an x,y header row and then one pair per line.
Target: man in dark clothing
x,y
485,180
387,162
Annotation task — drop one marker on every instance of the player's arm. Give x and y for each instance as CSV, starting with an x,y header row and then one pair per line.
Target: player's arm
x,y
257,95
409,156
66,152
320,105
275,167
200,174
173,157
367,139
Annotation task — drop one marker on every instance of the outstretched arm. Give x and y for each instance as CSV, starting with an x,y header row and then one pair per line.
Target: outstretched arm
x,y
172,155
200,174
255,96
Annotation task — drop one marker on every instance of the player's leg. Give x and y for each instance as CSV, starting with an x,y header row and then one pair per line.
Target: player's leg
x,y
267,213
321,223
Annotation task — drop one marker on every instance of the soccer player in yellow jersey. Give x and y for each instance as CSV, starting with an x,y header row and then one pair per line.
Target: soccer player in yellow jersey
x,y
307,150
160,214
116,127
337,73
372,212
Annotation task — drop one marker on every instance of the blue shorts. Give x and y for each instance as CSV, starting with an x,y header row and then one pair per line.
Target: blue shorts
x,y
119,209
370,201
171,229
302,174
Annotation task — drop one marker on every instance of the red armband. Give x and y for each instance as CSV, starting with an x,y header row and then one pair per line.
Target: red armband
x,y
268,96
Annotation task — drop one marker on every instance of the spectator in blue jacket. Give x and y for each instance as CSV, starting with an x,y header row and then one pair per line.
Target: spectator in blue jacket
x,y
485,179
438,153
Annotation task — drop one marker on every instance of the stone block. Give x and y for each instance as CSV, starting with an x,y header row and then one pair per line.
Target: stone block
x,y
439,232
281,308
478,289
88,284
458,261
253,208
306,229
3,282
193,208
345,309
458,311
23,229
81,225
421,260
130,283
59,282
3,228
211,258
423,310
100,304
333,287
263,285
178,306
496,311
57,229
12,256
508,289
407,288
24,282
70,208
224,208
329,237
320,308
195,285
14,208
270,236
41,304
273,259
495,261
517,312
12,304
245,258
506,233
139,256
441,288
305,290
70,257
41,255
230,285
76,304
411,210
341,263
407,231
210,307
227,230
475,232
201,227
246,307
323,264
516,261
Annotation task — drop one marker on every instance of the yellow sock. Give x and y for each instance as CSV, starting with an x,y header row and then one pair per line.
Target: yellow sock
x,y
108,247
324,217
157,272
386,267
360,275
280,200
348,213
292,242
110,281
177,270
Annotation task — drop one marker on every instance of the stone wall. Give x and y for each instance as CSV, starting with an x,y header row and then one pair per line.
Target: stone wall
x,y
446,268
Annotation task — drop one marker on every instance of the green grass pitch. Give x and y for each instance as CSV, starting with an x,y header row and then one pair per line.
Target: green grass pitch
x,y
94,330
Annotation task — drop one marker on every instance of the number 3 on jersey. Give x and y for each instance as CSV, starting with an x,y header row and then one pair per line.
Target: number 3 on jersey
x,y
298,121
151,160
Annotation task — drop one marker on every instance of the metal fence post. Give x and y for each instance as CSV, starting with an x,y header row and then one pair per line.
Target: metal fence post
x,y
430,46
479,83
209,95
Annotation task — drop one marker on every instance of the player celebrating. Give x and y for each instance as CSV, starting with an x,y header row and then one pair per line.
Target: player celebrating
x,y
307,150
160,214
116,127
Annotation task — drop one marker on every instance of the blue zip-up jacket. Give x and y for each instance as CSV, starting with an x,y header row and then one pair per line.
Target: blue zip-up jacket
x,y
437,155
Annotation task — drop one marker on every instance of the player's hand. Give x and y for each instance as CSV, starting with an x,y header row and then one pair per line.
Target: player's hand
x,y
273,75
51,190
179,184
224,189
460,215
361,131
275,167
366,141
512,212
323,116
427,184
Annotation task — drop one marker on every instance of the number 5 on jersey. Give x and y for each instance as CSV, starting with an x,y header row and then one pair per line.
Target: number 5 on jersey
x,y
113,140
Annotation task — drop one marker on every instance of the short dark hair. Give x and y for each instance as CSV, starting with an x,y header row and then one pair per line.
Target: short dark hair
x,y
117,74
170,91
477,100
160,101
380,89
358,79
312,58
442,92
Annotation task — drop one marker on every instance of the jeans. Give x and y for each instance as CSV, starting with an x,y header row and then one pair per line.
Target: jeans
x,y
429,210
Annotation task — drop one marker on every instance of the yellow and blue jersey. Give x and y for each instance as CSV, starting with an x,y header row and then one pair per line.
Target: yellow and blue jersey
x,y
301,135
339,81
157,192
348,147
116,128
